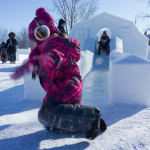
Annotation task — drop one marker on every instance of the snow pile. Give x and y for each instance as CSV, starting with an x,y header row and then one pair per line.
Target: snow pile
x,y
22,54
134,42
129,79
34,91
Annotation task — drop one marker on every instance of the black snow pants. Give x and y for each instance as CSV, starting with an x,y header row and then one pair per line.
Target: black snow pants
x,y
67,117
105,47
13,56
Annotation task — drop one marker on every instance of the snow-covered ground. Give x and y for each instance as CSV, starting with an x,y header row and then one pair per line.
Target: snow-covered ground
x,y
128,125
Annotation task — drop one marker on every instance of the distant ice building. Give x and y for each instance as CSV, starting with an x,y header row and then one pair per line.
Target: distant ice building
x,y
128,74
89,31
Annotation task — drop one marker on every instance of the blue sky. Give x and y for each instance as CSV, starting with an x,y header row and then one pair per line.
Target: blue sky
x,y
16,14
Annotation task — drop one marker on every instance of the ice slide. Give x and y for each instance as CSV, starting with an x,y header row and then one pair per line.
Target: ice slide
x,y
96,83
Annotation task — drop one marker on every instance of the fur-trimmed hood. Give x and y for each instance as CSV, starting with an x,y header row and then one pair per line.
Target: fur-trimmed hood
x,y
12,34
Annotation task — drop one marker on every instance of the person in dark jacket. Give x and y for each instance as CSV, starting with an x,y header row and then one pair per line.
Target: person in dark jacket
x,y
11,45
104,43
3,50
61,27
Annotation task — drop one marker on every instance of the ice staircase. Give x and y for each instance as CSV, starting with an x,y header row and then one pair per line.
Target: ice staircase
x,y
96,83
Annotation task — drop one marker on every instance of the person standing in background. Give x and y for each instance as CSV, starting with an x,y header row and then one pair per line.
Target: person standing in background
x,y
3,50
11,45
104,44
61,27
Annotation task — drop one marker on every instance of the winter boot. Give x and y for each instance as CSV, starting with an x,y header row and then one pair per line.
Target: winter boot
x,y
103,125
47,128
93,132
97,126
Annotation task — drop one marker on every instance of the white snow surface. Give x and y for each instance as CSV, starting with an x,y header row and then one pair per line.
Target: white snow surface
x,y
128,125
22,54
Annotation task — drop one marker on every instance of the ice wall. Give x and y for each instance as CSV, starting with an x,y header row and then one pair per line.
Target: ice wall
x,y
129,78
116,45
134,42
32,88
86,62
22,54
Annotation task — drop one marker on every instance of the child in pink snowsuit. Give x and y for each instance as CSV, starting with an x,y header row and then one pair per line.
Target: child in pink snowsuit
x,y
54,60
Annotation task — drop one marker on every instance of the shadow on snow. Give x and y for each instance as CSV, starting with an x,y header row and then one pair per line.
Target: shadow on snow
x,y
32,142
12,101
12,69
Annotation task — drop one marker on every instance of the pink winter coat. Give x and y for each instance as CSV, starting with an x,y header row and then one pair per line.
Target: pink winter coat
x,y
57,69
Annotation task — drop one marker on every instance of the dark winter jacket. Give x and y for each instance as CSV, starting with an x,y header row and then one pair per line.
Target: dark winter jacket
x,y
3,49
105,39
61,29
11,47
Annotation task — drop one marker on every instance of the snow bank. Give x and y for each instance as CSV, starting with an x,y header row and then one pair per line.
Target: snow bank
x,y
129,79
134,42
34,91
22,54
